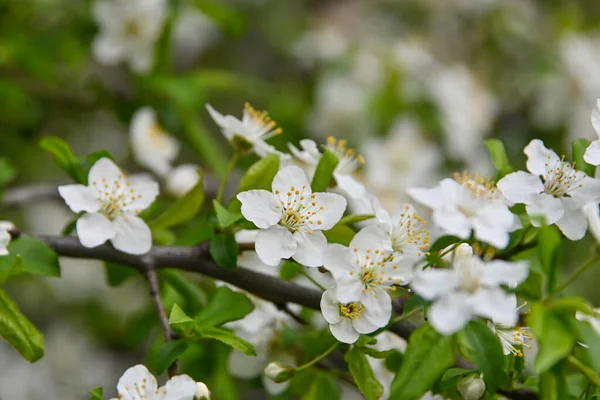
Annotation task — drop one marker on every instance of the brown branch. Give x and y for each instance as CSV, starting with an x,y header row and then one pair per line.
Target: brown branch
x,y
21,195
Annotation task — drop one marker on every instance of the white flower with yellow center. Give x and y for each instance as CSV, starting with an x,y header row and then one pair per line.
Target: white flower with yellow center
x,y
152,147
366,270
469,204
291,218
128,31
137,383
347,321
5,237
348,163
112,202
513,339
251,132
552,189
469,289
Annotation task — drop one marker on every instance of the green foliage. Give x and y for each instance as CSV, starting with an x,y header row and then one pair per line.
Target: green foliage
x,y
224,250
225,217
64,157
117,274
363,374
323,387
260,175
184,209
97,393
37,257
168,354
427,357
7,172
224,306
553,383
353,219
549,253
324,172
341,234
499,158
579,148
17,268
229,19
18,331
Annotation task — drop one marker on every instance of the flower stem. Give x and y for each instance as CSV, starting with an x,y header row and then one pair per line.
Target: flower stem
x,y
310,278
319,358
576,275
406,315
228,170
587,371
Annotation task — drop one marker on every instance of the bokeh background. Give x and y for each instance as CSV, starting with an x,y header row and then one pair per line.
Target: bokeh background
x,y
415,86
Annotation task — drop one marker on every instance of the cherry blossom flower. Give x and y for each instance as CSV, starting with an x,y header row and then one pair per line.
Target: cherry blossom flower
x,y
347,321
129,30
5,236
470,288
251,132
182,179
512,338
348,163
552,189
469,204
366,270
592,153
152,147
112,202
291,218
137,383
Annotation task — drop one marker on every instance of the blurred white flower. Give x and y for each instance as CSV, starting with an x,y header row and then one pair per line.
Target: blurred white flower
x,y
291,218
469,204
111,203
182,179
470,288
347,321
552,189
137,383
592,153
128,31
152,147
193,33
593,320
5,238
202,392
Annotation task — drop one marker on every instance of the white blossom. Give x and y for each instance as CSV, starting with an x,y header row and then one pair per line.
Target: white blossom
x,y
469,204
137,383
152,147
291,218
592,153
5,236
182,179
470,288
592,319
128,32
111,203
348,320
471,387
512,338
202,391
552,189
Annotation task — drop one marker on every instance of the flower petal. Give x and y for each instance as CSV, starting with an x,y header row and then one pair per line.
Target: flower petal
x,y
143,193
137,383
432,198
433,283
133,235
330,306
592,210
497,305
338,260
275,243
595,117
574,222
452,221
104,169
107,50
378,310
592,153
450,313
288,177
94,229
333,207
4,241
344,331
545,206
350,185
260,207
538,156
243,366
349,288
180,387
493,224
520,186
371,237
587,190
310,249
80,198
498,272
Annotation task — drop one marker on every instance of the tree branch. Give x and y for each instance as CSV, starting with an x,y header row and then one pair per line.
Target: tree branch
x,y
20,195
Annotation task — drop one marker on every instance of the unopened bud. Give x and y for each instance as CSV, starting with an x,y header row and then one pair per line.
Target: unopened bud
x,y
471,387
202,392
463,251
279,373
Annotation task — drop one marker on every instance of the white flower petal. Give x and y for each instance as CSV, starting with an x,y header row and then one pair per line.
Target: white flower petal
x,y
592,210
378,310
587,190
4,241
452,221
133,235
402,271
288,177
333,205
260,207
538,156
592,153
498,272
450,313
330,307
350,185
446,192
596,117
497,305
433,283
104,169
274,388
217,116
520,186
338,260
142,59
344,331
275,243
137,383
493,224
371,237
180,387
94,230
381,214
107,50
80,198
243,366
349,288
144,191
182,179
546,206
574,222
310,248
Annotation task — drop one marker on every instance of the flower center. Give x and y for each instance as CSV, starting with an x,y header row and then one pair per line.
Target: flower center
x,y
299,210
115,196
409,235
561,177
348,160
476,190
262,125
352,310
132,28
511,338
157,134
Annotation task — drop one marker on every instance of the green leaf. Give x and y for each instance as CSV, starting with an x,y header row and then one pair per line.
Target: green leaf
x,y
224,216
427,357
226,305
363,374
553,384
97,393
353,219
168,354
499,158
229,19
117,274
579,148
17,267
7,172
341,234
261,174
38,258
224,250
18,331
323,387
479,344
590,337
549,254
553,333
190,290
184,209
324,172
228,338
64,157
180,322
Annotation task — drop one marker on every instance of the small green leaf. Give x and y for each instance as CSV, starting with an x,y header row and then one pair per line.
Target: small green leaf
x,y
97,393
324,172
261,174
231,20
224,250
64,157
117,274
38,258
479,344
323,387
579,148
363,374
228,338
427,357
590,337
180,321
549,253
184,209
168,354
226,305
7,172
341,234
8,269
18,331
224,216
289,270
353,219
499,158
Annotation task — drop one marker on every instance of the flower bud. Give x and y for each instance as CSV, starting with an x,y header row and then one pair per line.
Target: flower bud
x,y
471,387
203,392
278,372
